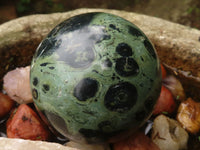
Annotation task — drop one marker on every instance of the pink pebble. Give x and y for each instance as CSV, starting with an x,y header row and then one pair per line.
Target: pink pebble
x,y
17,85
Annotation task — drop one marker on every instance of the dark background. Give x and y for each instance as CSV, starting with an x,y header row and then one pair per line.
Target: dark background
x,y
185,12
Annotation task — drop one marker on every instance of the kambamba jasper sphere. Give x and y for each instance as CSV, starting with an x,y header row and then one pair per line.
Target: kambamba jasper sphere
x,y
94,76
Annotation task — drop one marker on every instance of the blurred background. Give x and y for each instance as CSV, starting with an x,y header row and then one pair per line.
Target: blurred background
x,y
186,12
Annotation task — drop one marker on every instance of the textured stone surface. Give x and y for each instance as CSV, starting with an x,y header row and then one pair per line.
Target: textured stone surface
x,y
19,144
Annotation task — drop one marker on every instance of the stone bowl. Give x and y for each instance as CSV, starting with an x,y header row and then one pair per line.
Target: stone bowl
x,y
178,46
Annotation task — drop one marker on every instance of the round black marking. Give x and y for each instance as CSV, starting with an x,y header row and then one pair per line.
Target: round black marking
x,y
121,97
52,68
44,64
112,26
150,48
35,94
113,77
151,80
95,71
126,66
35,81
124,49
142,59
46,87
143,74
134,31
85,89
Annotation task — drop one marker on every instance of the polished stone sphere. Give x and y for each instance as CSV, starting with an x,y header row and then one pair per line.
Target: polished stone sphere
x,y
95,76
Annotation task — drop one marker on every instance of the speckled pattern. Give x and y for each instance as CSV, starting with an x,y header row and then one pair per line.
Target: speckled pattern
x,y
95,75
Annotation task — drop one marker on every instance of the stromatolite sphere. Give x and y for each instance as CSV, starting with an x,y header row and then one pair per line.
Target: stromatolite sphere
x,y
95,75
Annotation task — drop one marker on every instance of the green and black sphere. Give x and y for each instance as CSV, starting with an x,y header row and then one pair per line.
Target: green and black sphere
x,y
94,76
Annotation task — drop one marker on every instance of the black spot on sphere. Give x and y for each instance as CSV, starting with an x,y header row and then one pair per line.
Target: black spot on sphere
x,y
95,71
150,48
142,59
107,63
35,94
134,31
124,49
35,81
85,89
45,87
121,97
52,68
112,26
151,80
143,74
44,64
126,66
